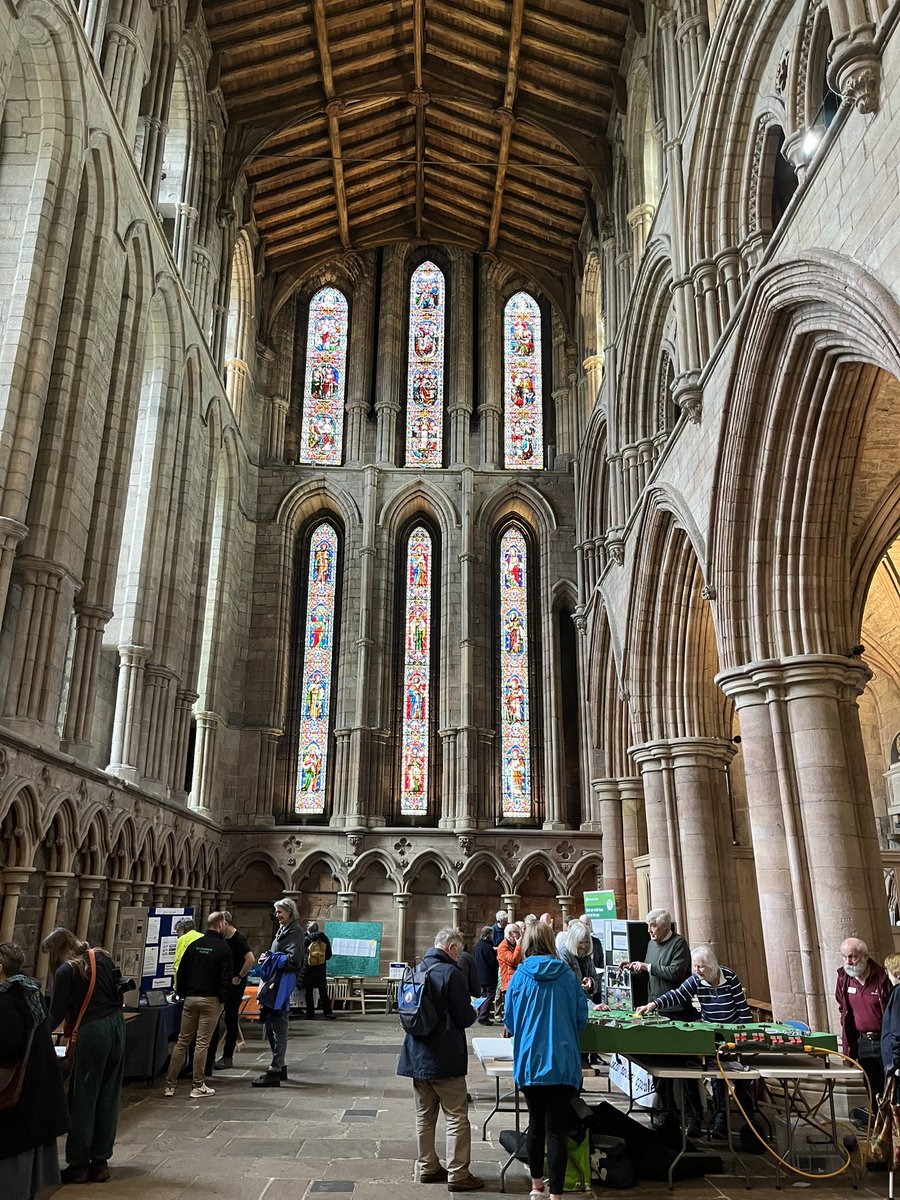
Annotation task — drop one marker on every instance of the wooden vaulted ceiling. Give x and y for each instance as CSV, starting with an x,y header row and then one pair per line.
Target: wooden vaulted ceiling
x,y
475,123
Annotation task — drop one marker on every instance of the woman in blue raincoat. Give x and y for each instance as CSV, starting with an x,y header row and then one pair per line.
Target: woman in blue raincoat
x,y
545,1011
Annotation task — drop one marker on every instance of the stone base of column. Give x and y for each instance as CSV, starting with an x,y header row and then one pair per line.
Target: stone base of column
x,y
590,827
32,731
125,773
263,819
555,826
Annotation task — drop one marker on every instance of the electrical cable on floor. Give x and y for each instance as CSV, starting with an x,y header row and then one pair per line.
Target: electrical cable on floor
x,y
843,1149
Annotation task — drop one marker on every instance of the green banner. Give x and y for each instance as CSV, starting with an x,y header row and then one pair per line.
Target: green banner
x,y
600,906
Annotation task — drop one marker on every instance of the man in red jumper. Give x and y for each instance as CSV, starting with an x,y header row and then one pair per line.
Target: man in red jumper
x,y
861,994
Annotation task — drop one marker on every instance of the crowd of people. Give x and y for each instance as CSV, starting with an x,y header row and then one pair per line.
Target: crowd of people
x,y
44,1096
538,981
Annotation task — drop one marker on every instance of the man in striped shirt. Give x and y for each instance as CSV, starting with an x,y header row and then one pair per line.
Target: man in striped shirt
x,y
721,998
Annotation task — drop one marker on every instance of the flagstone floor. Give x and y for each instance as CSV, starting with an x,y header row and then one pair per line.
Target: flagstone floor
x,y
342,1124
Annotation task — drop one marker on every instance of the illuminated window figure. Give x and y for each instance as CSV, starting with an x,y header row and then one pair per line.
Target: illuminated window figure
x,y
515,727
322,434
425,382
522,400
414,776
318,647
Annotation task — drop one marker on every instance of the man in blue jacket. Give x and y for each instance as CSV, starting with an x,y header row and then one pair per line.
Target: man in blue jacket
x,y
437,1065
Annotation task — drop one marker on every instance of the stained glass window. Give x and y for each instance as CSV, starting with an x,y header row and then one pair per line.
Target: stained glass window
x,y
322,435
318,646
414,792
523,411
425,383
515,729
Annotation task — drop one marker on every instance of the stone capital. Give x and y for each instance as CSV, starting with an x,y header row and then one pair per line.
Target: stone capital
x,y
827,676
682,752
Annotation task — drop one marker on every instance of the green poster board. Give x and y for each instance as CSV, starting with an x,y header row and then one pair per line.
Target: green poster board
x,y
600,906
356,948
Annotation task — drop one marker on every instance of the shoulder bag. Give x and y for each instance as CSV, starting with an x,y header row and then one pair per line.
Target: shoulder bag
x,y
73,1036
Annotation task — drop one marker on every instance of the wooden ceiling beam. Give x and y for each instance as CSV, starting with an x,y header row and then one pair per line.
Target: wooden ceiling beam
x,y
333,108
420,100
507,118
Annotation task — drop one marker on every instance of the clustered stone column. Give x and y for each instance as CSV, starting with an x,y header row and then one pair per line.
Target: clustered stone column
x,y
817,860
14,881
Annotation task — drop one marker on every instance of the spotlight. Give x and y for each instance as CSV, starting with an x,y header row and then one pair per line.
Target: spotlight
x,y
811,140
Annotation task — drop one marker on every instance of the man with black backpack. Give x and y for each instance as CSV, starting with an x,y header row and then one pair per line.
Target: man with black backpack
x,y
435,1011
316,953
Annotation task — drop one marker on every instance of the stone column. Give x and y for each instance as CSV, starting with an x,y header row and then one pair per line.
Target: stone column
x,y
201,286
490,407
38,650
87,890
465,748
161,895
115,890
223,900
634,840
278,414
158,713
593,369
346,900
509,902
267,803
401,901
566,906
126,733
817,859
854,70
237,382
357,780
202,787
685,782
124,73
389,356
54,885
610,805
449,778
460,365
457,900
14,880
553,764
359,368
639,221
693,36
11,534
140,891
181,733
207,901
90,622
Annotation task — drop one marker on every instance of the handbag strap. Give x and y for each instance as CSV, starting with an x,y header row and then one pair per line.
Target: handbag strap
x,y
87,999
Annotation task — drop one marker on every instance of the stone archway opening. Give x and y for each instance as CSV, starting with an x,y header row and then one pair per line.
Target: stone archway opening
x,y
255,891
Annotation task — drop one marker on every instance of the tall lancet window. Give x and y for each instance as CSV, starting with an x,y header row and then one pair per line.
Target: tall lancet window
x,y
322,434
414,758
316,693
515,724
523,418
425,384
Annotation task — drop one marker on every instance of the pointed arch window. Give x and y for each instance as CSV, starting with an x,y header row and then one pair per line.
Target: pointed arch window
x,y
517,790
523,401
318,672
415,783
322,433
425,381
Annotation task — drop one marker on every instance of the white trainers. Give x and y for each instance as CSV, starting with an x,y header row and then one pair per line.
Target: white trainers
x,y
202,1090
170,1091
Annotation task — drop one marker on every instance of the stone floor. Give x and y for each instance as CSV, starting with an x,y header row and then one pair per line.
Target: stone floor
x,y
343,1124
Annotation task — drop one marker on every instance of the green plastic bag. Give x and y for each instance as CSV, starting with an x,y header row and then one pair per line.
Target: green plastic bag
x,y
578,1165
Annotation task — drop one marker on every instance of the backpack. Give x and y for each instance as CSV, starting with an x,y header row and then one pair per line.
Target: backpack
x,y
417,1003
315,953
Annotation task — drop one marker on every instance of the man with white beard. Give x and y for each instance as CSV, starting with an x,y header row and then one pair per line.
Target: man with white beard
x,y
861,994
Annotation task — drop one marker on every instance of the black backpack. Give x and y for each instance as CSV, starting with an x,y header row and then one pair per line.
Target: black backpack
x,y
417,1002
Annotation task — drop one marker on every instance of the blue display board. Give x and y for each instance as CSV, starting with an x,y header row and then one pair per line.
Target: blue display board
x,y
356,948
159,948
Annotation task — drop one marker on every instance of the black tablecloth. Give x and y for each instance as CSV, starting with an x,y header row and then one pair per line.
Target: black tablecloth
x,y
147,1035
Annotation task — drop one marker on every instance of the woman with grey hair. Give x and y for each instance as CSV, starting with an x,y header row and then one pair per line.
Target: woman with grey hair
x,y
576,954
278,969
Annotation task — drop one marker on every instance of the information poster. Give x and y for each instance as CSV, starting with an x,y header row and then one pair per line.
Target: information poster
x,y
600,906
128,949
355,948
159,948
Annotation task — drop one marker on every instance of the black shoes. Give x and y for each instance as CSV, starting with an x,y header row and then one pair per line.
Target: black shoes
x,y
269,1079
99,1170
438,1176
223,1064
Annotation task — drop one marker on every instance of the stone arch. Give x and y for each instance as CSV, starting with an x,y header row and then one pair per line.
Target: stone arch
x,y
369,859
61,827
416,496
671,653
769,183
374,879
518,499
642,156
526,864
41,163
318,877
20,826
587,872
637,424
781,597
429,879
238,867
480,862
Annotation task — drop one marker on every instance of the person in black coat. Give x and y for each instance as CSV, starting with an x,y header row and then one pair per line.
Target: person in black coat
x,y
316,976
486,966
28,1131
437,1065
890,1021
